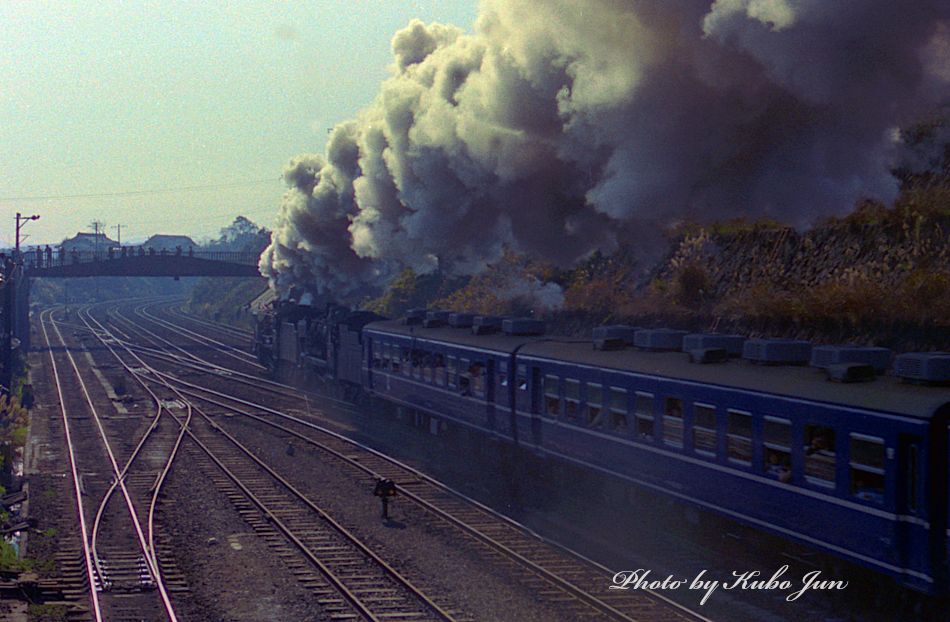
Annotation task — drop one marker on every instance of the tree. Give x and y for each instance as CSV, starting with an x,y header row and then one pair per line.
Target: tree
x,y
243,235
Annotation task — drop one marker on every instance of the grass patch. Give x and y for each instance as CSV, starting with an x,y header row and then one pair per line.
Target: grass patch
x,y
48,613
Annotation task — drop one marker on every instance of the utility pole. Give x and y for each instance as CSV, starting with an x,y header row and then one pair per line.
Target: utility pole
x,y
97,224
20,221
118,234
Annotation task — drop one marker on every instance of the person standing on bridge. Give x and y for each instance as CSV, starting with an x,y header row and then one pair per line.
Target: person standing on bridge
x,y
178,251
191,251
49,256
62,255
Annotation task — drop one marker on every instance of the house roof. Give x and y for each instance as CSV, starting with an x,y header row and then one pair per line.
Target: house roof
x,y
169,241
89,238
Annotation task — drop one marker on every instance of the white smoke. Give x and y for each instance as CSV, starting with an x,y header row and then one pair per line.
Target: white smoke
x,y
565,126
531,291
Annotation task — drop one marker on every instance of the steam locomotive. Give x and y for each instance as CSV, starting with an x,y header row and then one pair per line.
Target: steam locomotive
x,y
842,449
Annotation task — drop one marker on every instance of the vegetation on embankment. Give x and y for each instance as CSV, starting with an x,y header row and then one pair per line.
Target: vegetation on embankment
x,y
14,422
878,276
225,299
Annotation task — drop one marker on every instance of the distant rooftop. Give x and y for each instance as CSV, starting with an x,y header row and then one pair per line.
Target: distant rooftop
x,y
89,239
169,242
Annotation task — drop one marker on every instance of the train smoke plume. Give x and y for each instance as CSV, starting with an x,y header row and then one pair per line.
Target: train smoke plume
x,y
561,127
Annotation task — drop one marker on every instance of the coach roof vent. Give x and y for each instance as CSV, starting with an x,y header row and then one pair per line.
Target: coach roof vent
x,y
659,339
923,367
461,320
522,326
436,318
824,357
777,351
485,324
732,344
415,316
613,337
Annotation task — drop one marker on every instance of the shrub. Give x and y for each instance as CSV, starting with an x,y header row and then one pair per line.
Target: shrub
x,y
690,285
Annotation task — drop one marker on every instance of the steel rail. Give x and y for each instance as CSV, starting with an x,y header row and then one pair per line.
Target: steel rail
x,y
160,480
232,331
116,471
328,573
224,348
77,490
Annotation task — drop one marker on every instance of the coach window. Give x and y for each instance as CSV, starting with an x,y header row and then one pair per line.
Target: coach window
x,y
618,409
595,401
396,353
572,398
867,467
406,361
418,362
522,378
820,455
739,437
704,429
502,379
451,367
552,398
477,373
465,379
644,414
777,441
673,422
439,364
428,366
377,355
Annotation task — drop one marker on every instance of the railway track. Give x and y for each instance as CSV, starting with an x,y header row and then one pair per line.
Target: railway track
x,y
351,580
231,332
575,583
203,339
121,571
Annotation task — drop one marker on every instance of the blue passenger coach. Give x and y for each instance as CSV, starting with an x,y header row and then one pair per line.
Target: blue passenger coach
x,y
857,470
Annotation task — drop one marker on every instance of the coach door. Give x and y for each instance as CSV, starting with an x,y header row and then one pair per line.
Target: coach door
x,y
373,358
912,538
489,383
536,386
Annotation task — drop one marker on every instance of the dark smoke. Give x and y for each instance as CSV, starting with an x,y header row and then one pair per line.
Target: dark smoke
x,y
562,127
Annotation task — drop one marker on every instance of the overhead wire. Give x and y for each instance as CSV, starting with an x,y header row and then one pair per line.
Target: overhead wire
x,y
131,193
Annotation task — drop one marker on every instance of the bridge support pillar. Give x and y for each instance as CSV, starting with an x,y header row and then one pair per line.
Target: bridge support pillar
x,y
21,312
16,323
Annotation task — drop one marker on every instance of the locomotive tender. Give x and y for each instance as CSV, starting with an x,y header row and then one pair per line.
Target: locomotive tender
x,y
858,470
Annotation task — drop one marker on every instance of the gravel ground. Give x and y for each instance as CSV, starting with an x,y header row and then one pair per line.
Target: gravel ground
x,y
412,540
238,578
51,503
232,575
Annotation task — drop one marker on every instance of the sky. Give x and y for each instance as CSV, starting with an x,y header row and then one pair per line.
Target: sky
x,y
135,102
